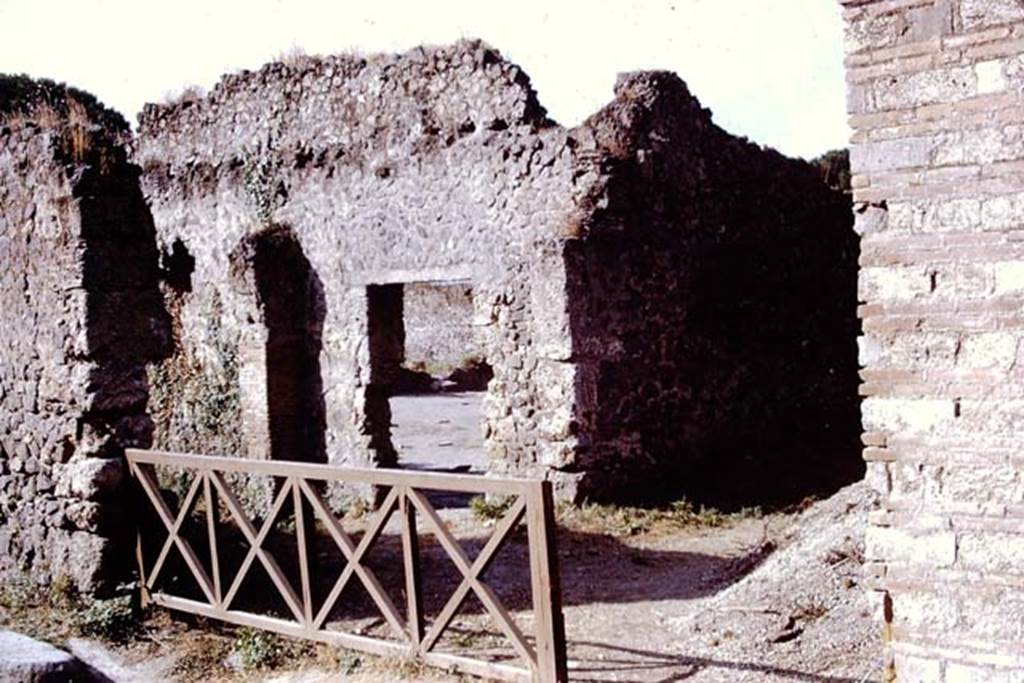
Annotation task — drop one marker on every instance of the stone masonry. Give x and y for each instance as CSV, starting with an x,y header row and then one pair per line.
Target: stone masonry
x,y
81,316
660,302
936,89
668,310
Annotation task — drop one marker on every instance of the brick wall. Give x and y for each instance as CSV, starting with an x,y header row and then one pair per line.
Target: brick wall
x,y
935,92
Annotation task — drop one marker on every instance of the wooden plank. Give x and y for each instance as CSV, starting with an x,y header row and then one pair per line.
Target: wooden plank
x,y
211,533
303,547
140,558
413,580
490,600
141,562
374,646
277,576
477,667
547,596
432,481
480,565
354,554
149,485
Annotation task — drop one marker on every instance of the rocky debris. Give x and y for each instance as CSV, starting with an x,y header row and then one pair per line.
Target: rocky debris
x,y
804,608
472,376
92,477
107,664
25,660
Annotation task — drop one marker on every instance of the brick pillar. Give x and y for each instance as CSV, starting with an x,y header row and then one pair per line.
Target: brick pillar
x,y
935,99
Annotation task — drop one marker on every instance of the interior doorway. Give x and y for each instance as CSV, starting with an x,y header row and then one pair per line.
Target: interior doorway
x,y
428,377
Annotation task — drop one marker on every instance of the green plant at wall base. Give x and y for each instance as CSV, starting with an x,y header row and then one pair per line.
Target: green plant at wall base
x,y
492,509
114,619
625,520
257,649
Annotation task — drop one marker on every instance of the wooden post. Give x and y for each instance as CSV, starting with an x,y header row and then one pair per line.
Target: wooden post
x,y
141,514
413,586
212,520
304,532
547,594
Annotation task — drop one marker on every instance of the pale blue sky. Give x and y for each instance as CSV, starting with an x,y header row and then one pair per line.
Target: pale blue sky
x,y
769,69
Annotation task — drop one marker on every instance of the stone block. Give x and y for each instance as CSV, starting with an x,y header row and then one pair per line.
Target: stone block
x,y
992,552
912,415
926,87
935,548
891,154
30,661
957,672
912,669
980,14
991,78
91,478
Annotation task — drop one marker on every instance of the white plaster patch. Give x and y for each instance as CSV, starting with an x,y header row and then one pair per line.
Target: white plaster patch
x,y
991,78
1009,277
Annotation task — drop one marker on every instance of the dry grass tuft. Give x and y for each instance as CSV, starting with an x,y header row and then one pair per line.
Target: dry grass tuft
x,y
78,130
625,520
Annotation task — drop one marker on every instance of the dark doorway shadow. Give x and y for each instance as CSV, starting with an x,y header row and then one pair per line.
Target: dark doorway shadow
x,y
290,295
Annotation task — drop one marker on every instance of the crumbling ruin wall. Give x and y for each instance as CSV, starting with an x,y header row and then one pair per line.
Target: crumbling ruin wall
x,y
638,282
713,311
435,165
81,318
936,89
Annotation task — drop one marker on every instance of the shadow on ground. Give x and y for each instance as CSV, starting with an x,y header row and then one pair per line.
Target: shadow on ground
x,y
598,661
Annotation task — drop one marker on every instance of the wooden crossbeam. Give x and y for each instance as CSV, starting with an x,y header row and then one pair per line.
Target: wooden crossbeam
x,y
255,540
175,530
480,565
490,600
353,555
152,491
411,567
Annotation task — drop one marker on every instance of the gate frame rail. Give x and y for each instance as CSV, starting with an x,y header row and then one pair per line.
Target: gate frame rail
x,y
544,661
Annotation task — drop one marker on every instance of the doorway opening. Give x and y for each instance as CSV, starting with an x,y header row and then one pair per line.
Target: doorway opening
x,y
428,377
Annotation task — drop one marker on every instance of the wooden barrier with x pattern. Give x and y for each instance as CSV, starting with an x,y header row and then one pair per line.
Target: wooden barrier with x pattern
x,y
543,659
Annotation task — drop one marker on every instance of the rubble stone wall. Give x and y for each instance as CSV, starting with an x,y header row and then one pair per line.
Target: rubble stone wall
x,y
81,318
936,89
713,308
616,271
433,166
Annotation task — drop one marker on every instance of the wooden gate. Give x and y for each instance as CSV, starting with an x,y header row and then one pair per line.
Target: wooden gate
x,y
540,657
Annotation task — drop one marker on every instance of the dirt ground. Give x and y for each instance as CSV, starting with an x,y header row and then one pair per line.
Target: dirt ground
x,y
775,598
439,431
647,596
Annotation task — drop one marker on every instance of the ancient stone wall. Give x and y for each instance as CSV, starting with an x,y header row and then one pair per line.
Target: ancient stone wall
x,y
435,165
617,271
936,89
713,312
81,317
